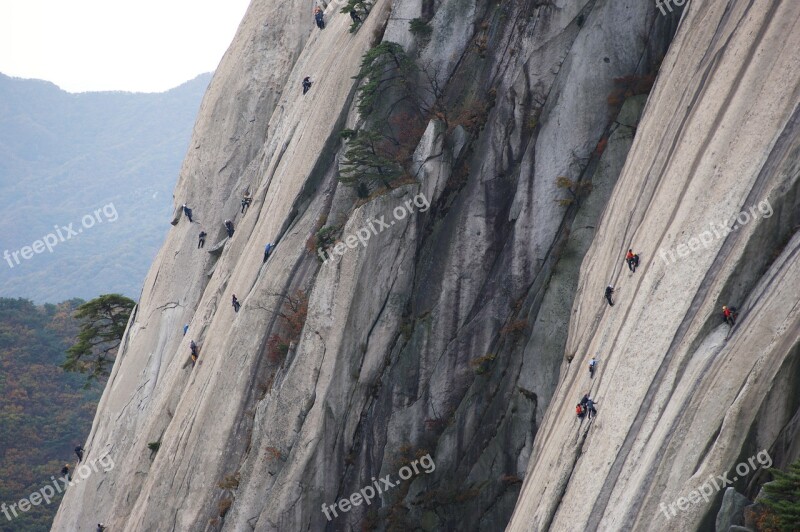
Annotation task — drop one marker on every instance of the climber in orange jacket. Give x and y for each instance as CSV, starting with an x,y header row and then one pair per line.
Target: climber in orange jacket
x,y
193,348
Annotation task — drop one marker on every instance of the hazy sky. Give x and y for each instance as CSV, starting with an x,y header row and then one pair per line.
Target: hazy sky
x,y
144,45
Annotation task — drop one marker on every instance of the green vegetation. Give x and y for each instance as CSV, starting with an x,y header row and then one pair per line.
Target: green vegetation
x,y
103,321
396,99
782,496
384,67
419,28
44,411
360,8
378,154
366,163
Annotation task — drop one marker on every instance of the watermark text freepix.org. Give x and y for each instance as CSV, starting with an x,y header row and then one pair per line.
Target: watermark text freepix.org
x,y
363,235
367,493
47,492
661,4
62,233
715,231
711,486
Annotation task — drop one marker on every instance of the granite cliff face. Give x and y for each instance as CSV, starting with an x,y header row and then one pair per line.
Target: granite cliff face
x,y
458,334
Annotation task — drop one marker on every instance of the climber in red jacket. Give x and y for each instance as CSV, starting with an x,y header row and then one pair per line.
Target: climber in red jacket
x,y
632,259
729,315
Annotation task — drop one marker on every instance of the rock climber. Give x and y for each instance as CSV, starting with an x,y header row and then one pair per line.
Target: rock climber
x,y
101,527
354,16
188,212
580,410
79,451
229,228
632,259
267,251
306,84
729,315
590,409
185,328
235,303
246,201
319,17
592,367
65,472
202,240
609,292
193,348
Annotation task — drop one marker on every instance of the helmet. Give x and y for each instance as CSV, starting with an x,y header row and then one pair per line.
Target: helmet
x,y
724,307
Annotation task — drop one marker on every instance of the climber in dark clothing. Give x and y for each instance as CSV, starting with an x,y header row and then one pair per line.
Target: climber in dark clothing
x,y
65,472
229,228
202,241
101,527
193,348
306,84
246,201
609,292
354,16
590,409
319,17
267,251
79,451
235,303
632,259
188,212
592,367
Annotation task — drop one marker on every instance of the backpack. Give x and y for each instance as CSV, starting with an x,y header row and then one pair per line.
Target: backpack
x,y
579,409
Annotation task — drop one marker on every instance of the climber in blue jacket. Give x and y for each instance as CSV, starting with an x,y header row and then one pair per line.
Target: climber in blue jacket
x,y
319,17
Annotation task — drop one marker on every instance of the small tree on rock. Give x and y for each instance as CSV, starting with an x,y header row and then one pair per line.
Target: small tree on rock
x,y
103,321
576,189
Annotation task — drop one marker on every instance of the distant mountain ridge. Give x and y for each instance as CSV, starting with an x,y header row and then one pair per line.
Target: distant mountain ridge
x,y
65,155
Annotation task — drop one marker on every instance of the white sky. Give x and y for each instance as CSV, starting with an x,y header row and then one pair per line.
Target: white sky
x,y
146,45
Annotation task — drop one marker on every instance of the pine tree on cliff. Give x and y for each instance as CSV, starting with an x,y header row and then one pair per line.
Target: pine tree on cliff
x,y
103,321
365,165
385,67
782,495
